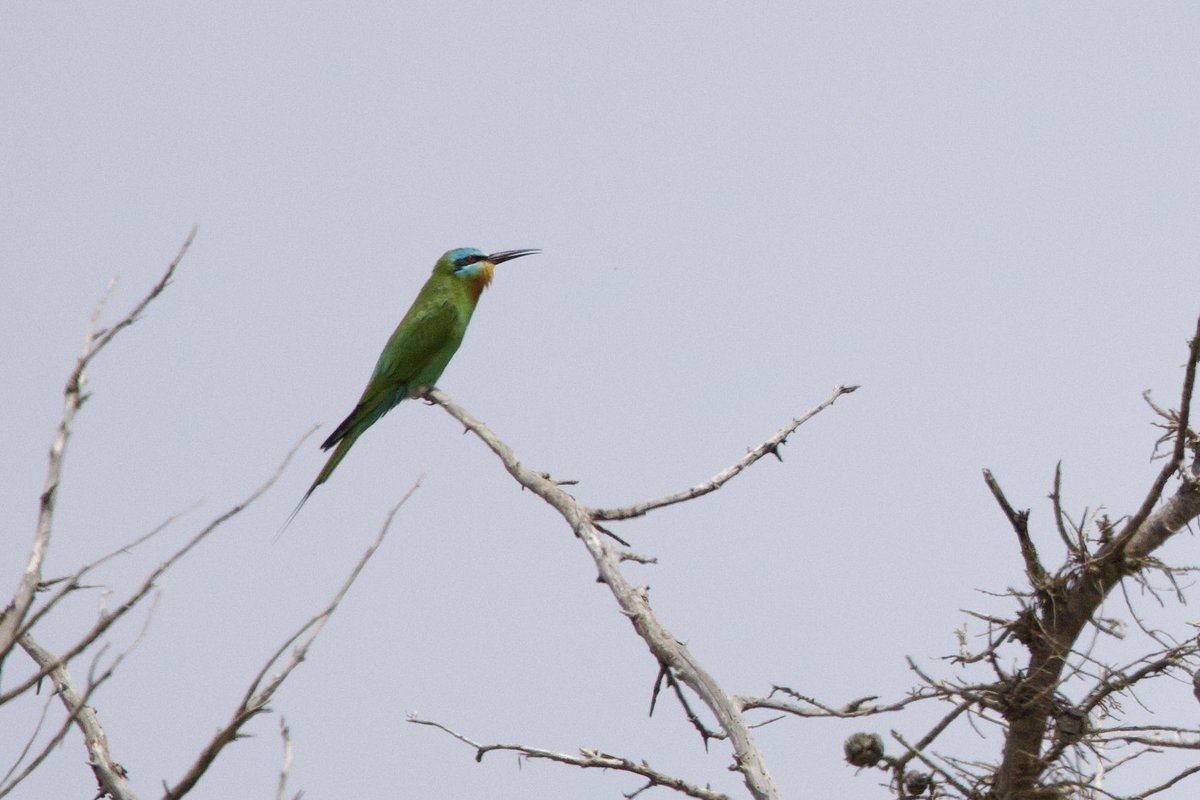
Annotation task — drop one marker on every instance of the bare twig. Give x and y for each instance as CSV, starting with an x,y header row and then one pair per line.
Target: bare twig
x,y
862,707
1020,525
29,742
1076,547
108,618
928,738
285,734
70,584
73,397
259,694
918,753
769,447
1135,524
666,675
73,709
1162,787
110,776
587,759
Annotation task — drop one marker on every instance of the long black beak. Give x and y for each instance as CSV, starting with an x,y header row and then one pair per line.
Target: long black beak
x,y
509,255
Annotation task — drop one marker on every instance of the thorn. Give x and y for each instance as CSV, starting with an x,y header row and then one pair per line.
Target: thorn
x,y
658,682
565,482
607,532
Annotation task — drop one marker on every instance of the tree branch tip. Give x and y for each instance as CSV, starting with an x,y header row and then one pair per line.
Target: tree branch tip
x,y
638,558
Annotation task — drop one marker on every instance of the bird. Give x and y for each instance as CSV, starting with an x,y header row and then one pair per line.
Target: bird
x,y
419,349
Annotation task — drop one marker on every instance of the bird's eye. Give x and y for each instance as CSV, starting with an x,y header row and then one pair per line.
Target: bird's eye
x,y
468,260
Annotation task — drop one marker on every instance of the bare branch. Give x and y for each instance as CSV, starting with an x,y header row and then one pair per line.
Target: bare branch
x,y
634,604
286,734
769,447
917,752
110,776
1020,525
69,584
255,700
54,740
1076,547
5,784
929,738
665,675
74,395
1162,787
1134,526
587,759
862,707
107,619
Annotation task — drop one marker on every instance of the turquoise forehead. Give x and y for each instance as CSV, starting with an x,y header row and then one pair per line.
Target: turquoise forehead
x,y
459,253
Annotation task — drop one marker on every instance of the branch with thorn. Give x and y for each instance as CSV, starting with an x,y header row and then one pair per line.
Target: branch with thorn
x,y
672,655
587,759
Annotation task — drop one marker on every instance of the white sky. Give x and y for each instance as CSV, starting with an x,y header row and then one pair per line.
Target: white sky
x,y
985,216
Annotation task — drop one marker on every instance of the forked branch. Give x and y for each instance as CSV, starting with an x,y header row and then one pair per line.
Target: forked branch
x,y
587,759
262,690
95,340
669,652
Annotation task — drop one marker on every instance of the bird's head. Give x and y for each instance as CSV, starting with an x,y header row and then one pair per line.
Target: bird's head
x,y
475,266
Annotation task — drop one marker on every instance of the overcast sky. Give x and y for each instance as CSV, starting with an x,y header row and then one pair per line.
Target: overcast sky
x,y
984,215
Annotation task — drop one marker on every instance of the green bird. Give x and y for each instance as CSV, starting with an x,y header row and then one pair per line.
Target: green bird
x,y
420,348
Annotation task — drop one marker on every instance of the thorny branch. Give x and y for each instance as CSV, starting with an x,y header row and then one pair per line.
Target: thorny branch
x,y
769,447
670,653
110,776
76,704
587,759
812,708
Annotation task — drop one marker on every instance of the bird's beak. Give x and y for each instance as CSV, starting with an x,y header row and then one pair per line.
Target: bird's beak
x,y
509,255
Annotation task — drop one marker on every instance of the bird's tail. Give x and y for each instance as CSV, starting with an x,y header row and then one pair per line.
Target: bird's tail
x,y
343,447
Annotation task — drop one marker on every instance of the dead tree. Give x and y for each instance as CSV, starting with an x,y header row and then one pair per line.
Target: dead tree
x,y
1068,715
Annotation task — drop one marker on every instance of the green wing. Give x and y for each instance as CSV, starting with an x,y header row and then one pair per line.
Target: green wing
x,y
414,356
420,347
